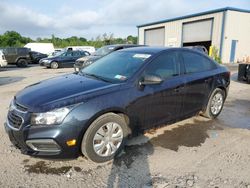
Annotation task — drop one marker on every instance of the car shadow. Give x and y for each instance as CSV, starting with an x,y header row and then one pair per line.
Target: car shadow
x,y
14,67
131,167
9,80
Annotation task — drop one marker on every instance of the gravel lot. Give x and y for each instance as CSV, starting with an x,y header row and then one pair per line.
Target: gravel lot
x,y
192,153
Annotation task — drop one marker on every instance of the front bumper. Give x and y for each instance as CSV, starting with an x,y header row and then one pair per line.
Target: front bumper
x,y
43,63
44,141
78,66
3,63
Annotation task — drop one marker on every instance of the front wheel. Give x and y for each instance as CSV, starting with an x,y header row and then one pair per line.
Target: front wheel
x,y
215,104
54,65
104,138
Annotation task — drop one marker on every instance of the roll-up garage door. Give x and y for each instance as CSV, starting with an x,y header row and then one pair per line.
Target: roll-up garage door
x,y
197,31
155,37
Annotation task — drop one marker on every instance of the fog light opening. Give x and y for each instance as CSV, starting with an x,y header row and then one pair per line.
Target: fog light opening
x,y
43,145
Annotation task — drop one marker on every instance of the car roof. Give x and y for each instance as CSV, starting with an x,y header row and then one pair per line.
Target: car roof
x,y
155,50
123,45
150,50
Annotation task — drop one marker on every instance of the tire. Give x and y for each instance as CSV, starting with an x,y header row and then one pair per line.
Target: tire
x,y
212,111
22,63
54,65
248,79
91,137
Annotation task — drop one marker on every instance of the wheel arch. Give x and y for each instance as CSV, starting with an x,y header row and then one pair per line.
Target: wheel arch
x,y
19,58
56,61
116,110
223,88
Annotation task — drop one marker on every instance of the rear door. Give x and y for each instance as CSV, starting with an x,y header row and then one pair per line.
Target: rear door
x,y
10,55
199,80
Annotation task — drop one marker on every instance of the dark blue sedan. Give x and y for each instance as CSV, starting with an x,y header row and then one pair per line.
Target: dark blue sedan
x,y
63,59
93,112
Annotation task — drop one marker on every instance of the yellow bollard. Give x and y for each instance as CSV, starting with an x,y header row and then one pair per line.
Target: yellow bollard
x,y
210,51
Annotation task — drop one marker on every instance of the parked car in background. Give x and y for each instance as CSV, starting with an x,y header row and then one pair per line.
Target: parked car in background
x,y
124,93
199,48
19,56
58,49
63,59
37,56
3,61
89,49
44,48
105,50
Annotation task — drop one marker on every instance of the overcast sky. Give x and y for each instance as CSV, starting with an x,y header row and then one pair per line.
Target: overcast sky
x,y
89,18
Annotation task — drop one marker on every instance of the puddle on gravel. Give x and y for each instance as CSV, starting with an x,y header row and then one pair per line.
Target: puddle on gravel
x,y
9,80
189,135
41,167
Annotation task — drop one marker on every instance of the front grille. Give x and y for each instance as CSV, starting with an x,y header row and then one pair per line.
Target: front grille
x,y
21,107
3,57
14,120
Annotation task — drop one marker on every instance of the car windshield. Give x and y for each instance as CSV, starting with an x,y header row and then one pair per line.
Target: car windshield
x,y
103,51
55,54
116,67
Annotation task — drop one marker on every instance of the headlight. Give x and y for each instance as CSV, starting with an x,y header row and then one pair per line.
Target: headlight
x,y
52,117
11,106
46,61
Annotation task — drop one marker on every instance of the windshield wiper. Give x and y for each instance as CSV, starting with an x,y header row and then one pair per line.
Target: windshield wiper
x,y
95,76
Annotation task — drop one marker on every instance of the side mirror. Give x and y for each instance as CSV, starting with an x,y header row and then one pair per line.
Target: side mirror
x,y
151,80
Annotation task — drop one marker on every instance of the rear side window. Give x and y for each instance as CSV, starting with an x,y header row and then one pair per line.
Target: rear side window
x,y
11,51
22,50
84,53
196,63
165,66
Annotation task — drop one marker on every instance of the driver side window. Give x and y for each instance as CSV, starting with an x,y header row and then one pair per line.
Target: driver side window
x,y
166,66
69,54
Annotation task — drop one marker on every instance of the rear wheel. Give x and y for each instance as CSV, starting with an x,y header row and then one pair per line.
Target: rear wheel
x,y
54,65
22,63
215,104
104,138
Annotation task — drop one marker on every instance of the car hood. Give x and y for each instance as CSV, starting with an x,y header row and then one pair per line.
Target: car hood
x,y
50,58
62,91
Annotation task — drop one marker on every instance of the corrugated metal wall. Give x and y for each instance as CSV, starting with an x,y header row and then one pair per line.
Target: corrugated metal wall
x,y
237,27
173,30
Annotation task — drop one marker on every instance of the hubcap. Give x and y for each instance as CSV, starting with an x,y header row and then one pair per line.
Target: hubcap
x,y
216,103
108,139
54,65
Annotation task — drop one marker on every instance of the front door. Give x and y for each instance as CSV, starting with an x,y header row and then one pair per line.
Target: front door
x,y
160,103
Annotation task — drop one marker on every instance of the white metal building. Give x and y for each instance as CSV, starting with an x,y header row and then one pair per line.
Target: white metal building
x,y
228,29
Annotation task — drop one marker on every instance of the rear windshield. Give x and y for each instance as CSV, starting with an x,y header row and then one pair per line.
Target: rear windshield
x,y
103,51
